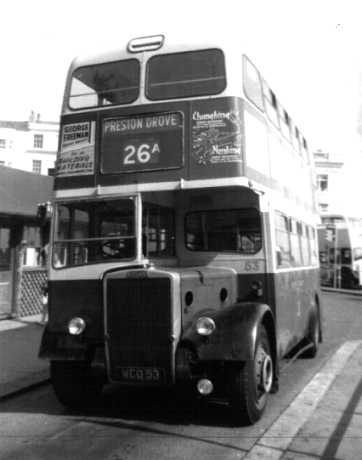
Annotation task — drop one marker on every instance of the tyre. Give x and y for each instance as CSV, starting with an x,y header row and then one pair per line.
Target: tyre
x,y
73,384
251,383
313,337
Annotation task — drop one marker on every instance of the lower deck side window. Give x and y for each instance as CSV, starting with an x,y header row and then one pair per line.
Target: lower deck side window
x,y
231,230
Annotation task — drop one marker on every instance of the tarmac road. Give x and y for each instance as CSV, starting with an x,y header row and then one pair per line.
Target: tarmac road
x,y
316,414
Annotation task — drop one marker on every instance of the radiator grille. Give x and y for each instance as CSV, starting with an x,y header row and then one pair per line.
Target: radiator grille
x,y
139,324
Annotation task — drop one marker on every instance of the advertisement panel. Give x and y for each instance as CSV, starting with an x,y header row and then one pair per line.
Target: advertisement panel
x,y
216,138
76,155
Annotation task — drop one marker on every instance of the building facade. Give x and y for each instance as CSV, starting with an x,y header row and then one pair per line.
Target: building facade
x,y
29,145
328,171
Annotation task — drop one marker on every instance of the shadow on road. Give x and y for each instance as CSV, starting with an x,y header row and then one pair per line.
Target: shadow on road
x,y
151,405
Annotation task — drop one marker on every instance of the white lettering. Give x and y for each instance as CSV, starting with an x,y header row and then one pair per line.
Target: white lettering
x,y
226,150
197,116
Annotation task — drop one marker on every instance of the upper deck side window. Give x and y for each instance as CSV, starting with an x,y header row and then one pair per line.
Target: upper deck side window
x,y
186,74
252,83
271,104
105,84
285,123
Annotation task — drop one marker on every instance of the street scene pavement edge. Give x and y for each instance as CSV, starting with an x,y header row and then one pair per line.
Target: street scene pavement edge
x,y
313,426
20,366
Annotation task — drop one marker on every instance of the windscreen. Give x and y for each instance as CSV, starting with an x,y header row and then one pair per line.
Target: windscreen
x,y
105,84
91,232
94,232
178,75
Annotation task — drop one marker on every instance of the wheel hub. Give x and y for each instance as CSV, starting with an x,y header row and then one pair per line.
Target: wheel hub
x,y
265,373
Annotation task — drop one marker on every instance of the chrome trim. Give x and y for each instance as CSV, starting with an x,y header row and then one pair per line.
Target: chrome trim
x,y
175,318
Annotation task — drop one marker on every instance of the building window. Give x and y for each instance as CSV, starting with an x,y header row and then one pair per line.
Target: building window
x,y
38,141
322,181
323,207
37,166
2,143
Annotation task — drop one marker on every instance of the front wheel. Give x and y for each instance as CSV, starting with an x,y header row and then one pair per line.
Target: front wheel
x,y
313,337
252,382
73,383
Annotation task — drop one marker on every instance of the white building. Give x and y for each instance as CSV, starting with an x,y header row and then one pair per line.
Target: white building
x,y
29,145
329,176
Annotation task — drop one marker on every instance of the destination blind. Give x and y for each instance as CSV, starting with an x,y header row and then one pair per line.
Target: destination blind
x,y
142,143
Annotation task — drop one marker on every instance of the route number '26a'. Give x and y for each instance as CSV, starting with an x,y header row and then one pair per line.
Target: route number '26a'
x,y
141,154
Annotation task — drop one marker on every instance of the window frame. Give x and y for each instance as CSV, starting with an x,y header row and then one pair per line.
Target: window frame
x,y
223,251
199,94
36,166
94,222
247,62
38,141
99,106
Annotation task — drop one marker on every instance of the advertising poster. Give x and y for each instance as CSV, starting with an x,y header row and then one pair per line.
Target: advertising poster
x,y
76,156
216,135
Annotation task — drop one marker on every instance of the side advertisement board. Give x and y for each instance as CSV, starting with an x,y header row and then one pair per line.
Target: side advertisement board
x,y
76,154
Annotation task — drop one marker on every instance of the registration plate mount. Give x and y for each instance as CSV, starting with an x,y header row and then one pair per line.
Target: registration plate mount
x,y
142,374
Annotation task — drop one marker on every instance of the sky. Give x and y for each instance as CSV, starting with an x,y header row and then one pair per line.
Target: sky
x,y
306,49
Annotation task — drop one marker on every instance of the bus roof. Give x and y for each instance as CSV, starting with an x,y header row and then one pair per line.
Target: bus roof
x,y
125,52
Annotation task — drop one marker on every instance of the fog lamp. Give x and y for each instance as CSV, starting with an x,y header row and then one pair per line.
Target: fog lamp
x,y
76,326
205,325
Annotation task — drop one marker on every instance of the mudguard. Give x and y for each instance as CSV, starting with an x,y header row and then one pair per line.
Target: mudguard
x,y
61,346
235,334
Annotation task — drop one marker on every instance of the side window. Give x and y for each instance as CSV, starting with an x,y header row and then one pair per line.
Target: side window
x,y
313,245
295,243
158,231
296,138
229,230
63,218
306,254
271,104
305,152
285,123
282,240
252,83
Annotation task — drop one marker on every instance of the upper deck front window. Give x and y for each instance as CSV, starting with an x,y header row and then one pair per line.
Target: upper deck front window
x,y
105,84
187,74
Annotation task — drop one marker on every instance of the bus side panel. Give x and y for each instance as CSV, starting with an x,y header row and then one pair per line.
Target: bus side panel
x,y
295,295
67,300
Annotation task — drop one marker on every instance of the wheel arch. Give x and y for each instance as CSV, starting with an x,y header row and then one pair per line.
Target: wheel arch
x,y
269,325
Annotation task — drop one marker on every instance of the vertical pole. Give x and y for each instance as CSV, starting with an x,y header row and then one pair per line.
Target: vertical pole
x,y
138,203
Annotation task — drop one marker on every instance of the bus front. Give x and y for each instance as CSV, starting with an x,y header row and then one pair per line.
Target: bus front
x,y
155,225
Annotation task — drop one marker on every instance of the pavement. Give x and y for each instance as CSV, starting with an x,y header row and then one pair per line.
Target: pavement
x,y
324,421
20,366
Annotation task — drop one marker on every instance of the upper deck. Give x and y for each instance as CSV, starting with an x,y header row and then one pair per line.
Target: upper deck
x,y
177,117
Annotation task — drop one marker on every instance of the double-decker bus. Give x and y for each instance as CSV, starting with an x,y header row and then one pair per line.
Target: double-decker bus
x,y
340,251
183,250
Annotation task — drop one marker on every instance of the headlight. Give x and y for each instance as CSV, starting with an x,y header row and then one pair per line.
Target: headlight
x,y
76,326
205,325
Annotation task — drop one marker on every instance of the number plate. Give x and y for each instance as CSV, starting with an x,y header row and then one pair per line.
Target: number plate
x,y
141,374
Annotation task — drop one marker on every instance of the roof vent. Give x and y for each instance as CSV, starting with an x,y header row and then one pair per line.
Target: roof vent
x,y
152,43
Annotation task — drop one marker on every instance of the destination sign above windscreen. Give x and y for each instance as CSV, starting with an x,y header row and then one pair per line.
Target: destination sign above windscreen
x,y
142,143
